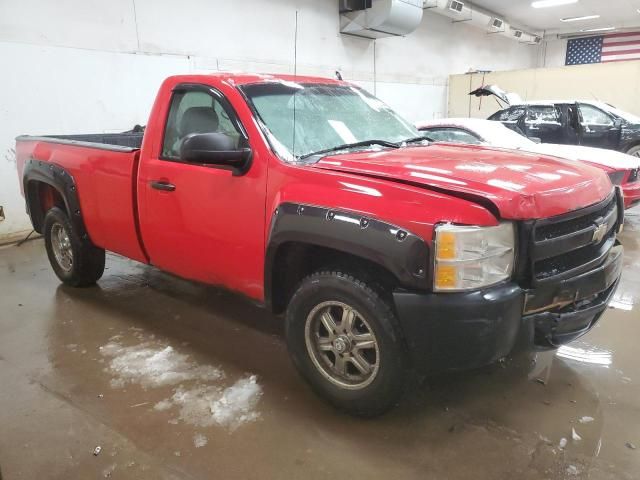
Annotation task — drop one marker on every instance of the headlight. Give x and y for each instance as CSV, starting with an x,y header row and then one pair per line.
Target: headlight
x,y
468,258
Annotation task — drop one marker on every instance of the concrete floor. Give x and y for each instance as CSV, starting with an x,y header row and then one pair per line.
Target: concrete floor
x,y
91,367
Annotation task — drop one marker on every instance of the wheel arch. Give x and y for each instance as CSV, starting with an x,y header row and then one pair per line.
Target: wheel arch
x,y
304,238
47,185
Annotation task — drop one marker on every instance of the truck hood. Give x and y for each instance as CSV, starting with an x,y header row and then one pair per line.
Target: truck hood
x,y
520,185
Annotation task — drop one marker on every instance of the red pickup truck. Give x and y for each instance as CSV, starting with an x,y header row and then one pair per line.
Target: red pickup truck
x,y
309,195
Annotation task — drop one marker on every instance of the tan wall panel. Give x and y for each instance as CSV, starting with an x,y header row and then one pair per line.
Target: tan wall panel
x,y
616,83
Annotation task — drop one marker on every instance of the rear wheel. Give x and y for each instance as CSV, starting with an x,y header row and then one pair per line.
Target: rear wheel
x,y
635,151
345,341
76,261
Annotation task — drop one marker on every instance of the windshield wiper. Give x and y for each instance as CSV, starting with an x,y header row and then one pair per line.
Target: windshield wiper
x,y
364,143
421,138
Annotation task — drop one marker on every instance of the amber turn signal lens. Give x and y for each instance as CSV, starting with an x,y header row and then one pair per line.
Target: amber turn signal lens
x,y
445,276
446,246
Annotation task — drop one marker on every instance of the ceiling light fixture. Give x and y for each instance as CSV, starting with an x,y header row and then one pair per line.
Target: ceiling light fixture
x,y
551,3
578,19
601,29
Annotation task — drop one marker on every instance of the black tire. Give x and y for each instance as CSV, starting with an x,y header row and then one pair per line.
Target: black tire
x,y
634,151
87,260
388,383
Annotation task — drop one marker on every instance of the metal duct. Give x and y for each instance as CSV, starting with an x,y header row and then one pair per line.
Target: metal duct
x,y
384,18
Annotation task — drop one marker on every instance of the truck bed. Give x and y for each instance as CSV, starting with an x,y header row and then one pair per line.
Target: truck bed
x,y
104,169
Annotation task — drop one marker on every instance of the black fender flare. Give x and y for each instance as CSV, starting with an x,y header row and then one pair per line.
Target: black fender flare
x,y
63,182
397,250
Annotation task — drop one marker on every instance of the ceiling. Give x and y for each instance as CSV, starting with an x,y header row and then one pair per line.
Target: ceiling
x,y
613,13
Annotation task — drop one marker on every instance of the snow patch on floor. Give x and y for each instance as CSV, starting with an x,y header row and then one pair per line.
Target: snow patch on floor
x,y
205,406
152,366
199,440
237,403
199,397
162,405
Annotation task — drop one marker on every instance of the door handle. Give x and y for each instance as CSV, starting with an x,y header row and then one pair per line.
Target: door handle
x,y
164,186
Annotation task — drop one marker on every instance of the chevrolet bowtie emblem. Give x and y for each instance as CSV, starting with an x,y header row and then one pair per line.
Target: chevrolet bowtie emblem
x,y
599,232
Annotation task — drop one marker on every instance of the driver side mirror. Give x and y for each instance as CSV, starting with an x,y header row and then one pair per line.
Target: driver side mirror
x,y
617,123
215,149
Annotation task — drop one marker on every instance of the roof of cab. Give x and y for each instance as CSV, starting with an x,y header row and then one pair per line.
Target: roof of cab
x,y
239,78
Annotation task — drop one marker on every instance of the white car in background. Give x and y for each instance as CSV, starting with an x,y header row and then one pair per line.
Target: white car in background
x,y
623,169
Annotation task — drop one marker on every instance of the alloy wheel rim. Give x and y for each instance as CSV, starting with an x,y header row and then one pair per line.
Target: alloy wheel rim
x,y
342,345
61,246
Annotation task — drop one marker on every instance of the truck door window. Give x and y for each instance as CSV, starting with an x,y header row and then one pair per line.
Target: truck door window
x,y
453,135
590,115
512,114
543,114
195,112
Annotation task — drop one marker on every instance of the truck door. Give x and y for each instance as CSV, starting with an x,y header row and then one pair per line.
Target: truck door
x,y
597,128
570,124
199,221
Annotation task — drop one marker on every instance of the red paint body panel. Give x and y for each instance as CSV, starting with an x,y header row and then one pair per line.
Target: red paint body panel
x,y
214,227
105,190
631,190
523,186
631,193
412,208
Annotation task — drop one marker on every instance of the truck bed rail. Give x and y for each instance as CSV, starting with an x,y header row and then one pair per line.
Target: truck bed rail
x,y
119,142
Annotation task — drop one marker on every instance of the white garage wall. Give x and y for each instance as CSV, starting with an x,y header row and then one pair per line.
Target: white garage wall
x,y
554,53
82,66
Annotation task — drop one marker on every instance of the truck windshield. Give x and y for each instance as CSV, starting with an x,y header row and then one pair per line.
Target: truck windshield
x,y
302,119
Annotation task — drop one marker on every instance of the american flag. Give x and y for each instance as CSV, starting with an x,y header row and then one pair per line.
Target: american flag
x,y
615,47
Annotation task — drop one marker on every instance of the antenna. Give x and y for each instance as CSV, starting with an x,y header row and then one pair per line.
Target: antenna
x,y
295,47
375,73
295,75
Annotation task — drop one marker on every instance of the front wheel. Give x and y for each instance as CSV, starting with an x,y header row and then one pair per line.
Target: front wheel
x,y
345,341
76,261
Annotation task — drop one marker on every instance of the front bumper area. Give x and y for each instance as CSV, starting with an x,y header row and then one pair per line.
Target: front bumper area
x,y
460,331
631,194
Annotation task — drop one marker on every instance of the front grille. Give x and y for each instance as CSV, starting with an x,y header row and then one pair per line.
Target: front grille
x,y
567,245
549,229
550,267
